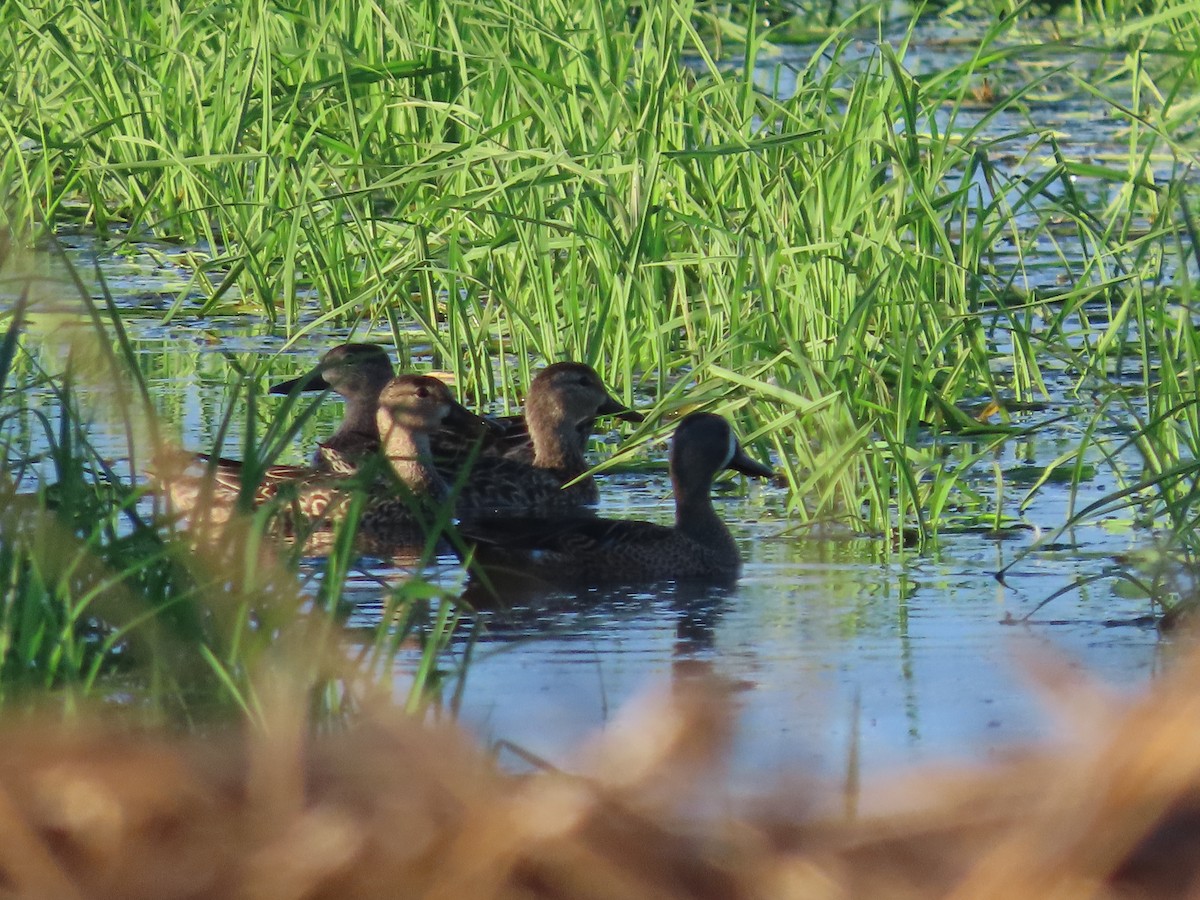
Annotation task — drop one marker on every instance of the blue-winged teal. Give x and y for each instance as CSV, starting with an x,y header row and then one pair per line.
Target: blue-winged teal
x,y
409,409
358,373
560,411
580,549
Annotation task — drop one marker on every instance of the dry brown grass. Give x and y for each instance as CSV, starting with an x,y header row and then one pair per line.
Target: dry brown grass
x,y
393,808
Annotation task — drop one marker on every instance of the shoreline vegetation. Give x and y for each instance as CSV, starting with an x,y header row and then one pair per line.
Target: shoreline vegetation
x,y
852,272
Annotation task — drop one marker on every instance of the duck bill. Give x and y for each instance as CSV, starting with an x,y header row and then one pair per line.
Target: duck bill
x,y
310,382
613,407
747,466
462,420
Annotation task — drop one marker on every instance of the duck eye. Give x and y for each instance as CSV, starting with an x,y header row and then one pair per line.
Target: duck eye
x,y
422,392
585,381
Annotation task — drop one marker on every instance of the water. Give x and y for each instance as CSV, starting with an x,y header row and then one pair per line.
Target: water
x,y
824,646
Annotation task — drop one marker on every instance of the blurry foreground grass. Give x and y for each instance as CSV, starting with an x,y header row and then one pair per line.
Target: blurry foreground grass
x,y
390,808
103,595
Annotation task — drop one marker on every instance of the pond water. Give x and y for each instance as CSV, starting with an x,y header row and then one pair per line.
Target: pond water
x,y
824,645
839,654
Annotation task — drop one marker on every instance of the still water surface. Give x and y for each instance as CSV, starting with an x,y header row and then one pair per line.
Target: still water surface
x,y
826,646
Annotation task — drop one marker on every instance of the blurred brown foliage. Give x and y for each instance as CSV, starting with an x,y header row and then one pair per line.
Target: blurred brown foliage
x,y
394,808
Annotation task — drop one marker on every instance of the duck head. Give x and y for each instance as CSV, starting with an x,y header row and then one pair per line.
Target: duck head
x,y
352,370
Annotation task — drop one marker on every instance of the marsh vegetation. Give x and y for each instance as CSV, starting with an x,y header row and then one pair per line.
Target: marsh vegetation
x,y
880,240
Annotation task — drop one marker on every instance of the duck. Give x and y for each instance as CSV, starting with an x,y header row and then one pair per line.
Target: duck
x,y
580,549
561,408
357,372
401,497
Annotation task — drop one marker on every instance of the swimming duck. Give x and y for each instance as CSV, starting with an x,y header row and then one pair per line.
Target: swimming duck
x,y
579,549
358,373
409,409
560,411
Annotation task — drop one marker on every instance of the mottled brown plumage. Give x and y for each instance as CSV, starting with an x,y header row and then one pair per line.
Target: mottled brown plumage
x,y
564,407
402,496
358,373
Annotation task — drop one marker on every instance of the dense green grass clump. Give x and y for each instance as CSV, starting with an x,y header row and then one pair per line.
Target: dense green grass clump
x,y
578,178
